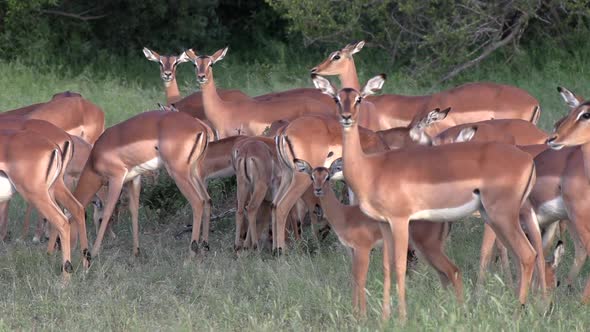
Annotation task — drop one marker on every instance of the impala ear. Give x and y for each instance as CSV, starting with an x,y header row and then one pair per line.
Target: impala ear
x,y
373,85
570,99
219,55
466,134
336,167
161,107
558,253
354,48
173,108
151,55
302,166
184,57
324,85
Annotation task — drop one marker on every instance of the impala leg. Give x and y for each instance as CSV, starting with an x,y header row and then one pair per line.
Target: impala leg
x,y
242,196
202,186
66,199
400,235
529,219
310,202
505,263
360,268
429,238
184,182
114,191
133,190
579,257
549,236
387,254
4,219
296,188
254,203
286,180
578,215
487,248
47,207
507,228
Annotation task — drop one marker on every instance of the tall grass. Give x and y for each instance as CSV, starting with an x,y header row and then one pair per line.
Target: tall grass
x,y
161,290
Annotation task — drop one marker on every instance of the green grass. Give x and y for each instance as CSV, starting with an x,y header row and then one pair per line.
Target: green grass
x,y
219,291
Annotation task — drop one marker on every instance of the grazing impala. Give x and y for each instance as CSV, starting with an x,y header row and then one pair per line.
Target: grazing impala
x,y
74,114
470,102
31,165
251,117
143,143
360,233
434,184
59,188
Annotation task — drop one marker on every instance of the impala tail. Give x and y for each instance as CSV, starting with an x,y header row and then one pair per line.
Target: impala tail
x,y
199,147
54,167
536,114
530,184
285,151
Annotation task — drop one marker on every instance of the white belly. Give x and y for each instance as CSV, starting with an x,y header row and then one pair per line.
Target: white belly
x,y
6,188
449,214
150,165
551,211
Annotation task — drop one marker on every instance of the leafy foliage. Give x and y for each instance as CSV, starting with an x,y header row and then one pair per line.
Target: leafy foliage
x,y
434,35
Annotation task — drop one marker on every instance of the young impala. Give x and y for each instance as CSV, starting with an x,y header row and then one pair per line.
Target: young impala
x,y
361,233
435,184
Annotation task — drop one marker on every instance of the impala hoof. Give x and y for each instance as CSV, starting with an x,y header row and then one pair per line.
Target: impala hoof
x,y
195,247
205,245
68,267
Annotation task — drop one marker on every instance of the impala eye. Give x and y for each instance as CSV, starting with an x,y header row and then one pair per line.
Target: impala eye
x,y
586,116
336,57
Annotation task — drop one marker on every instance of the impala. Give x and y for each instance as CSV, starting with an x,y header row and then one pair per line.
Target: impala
x,y
361,233
257,174
193,103
31,165
510,131
434,184
62,194
471,102
250,117
317,139
70,112
143,143
575,186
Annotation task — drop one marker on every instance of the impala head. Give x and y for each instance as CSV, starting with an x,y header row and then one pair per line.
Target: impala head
x,y
348,100
168,63
320,176
552,264
204,63
574,128
424,120
337,62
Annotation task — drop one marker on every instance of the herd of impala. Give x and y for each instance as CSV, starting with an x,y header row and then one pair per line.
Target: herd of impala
x,y
412,164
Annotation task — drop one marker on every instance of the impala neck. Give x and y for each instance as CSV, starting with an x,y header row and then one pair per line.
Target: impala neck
x,y
213,106
172,92
333,208
349,78
353,158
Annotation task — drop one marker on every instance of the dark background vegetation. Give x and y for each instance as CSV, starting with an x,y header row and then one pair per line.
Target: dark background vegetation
x,y
432,39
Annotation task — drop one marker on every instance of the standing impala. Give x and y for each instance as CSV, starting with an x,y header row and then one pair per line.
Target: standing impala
x,y
435,184
471,102
360,233
193,103
248,117
144,143
575,179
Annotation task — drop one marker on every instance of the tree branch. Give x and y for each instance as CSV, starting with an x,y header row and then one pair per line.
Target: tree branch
x,y
515,31
79,16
